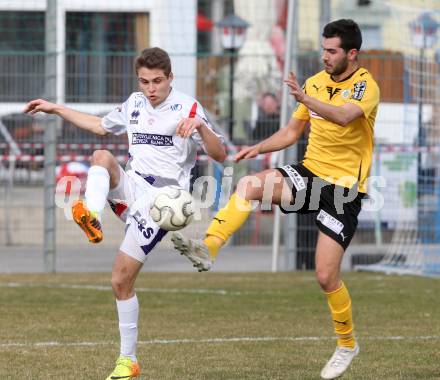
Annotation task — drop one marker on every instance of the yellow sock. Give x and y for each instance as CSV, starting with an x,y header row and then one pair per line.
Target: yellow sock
x,y
228,220
213,243
339,302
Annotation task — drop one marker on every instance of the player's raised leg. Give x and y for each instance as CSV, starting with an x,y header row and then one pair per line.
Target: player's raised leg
x,y
103,175
264,186
124,274
328,261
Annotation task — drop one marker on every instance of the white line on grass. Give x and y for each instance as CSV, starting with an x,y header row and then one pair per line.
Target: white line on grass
x,y
212,340
221,292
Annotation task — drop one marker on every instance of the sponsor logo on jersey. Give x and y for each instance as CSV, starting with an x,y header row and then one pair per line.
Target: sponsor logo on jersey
x,y
359,90
134,115
152,139
345,94
330,222
137,103
297,179
316,87
176,107
333,91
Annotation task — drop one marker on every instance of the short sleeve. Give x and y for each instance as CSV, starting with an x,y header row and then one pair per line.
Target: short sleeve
x,y
365,94
301,112
115,121
198,111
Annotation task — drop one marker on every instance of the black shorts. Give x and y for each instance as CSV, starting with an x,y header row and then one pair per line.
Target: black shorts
x,y
337,207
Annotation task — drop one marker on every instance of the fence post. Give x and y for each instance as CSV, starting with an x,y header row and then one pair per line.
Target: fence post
x,y
50,131
289,64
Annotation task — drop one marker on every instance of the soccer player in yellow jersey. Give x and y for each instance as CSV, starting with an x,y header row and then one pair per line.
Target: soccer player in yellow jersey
x,y
340,103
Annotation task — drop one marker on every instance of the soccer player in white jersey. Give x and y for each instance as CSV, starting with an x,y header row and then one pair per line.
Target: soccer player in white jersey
x,y
164,129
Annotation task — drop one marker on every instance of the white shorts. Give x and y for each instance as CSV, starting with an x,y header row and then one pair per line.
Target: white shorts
x,y
141,233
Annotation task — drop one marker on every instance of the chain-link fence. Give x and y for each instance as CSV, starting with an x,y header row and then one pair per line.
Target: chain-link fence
x,y
97,74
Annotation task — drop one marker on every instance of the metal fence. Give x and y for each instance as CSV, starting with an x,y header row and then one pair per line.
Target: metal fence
x,y
96,80
23,211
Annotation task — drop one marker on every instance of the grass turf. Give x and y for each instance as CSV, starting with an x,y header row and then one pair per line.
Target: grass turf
x,y
64,326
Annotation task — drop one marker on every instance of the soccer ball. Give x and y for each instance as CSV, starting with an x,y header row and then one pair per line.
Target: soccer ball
x,y
172,209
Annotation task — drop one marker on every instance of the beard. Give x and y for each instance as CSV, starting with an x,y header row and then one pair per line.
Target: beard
x,y
339,68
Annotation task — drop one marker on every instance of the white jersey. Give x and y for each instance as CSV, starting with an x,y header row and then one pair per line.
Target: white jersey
x,y
156,153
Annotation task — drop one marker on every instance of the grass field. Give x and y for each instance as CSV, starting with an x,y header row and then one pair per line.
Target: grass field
x,y
216,326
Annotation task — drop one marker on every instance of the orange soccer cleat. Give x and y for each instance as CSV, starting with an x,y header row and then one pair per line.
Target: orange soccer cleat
x,y
88,221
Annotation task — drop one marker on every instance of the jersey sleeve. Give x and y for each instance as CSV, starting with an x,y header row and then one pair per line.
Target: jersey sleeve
x,y
301,111
115,121
197,111
365,94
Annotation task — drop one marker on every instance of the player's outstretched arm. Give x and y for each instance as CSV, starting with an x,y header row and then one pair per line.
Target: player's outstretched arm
x,y
82,120
279,140
247,153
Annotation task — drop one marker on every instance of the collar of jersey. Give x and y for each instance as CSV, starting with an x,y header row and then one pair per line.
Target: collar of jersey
x,y
160,105
345,79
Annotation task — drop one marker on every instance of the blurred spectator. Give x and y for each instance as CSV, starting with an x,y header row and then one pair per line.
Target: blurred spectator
x,y
268,118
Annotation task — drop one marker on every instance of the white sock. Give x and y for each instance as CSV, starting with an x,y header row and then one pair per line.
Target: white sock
x,y
128,312
97,188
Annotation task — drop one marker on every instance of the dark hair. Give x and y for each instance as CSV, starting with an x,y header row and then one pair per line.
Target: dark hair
x,y
270,94
154,58
347,30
